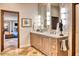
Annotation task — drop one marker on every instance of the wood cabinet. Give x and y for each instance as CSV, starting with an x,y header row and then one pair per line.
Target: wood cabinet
x,y
35,41
47,45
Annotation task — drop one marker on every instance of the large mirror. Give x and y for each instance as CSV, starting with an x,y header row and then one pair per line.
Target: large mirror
x,y
49,14
55,15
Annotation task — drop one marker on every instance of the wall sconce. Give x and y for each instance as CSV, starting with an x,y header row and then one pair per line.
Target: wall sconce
x,y
48,14
48,18
39,20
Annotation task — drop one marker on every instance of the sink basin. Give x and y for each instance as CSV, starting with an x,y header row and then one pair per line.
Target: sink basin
x,y
53,32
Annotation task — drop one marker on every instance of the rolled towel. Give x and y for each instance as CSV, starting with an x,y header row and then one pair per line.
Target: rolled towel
x,y
64,45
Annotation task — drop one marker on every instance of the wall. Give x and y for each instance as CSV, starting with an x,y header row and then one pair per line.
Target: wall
x,y
26,11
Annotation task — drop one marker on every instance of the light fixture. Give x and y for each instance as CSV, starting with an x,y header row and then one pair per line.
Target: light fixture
x,y
39,20
48,14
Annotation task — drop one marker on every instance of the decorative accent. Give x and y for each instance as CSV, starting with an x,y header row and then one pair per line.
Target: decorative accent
x,y
61,28
26,22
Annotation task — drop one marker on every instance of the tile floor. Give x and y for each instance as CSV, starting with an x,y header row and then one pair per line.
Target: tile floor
x,y
29,51
12,50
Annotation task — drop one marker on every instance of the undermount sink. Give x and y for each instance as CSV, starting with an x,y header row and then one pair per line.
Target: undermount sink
x,y
53,32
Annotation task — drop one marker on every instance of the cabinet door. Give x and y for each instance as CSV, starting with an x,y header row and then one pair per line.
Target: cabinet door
x,y
53,46
32,39
46,45
38,42
77,30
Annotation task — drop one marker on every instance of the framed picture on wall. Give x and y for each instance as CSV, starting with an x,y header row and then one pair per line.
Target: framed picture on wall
x,y
26,22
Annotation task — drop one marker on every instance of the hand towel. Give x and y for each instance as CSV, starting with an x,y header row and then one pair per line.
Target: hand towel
x,y
64,45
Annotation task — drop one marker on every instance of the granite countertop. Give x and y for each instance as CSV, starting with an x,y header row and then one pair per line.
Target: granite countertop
x,y
50,35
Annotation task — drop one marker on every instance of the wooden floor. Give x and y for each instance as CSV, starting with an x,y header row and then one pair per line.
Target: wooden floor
x,y
29,51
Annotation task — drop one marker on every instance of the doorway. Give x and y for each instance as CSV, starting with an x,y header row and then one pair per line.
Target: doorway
x,y
9,29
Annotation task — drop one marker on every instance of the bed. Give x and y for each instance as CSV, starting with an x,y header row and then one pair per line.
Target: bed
x,y
11,35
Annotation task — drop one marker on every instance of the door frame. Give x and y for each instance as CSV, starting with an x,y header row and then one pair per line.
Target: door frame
x,y
74,29
2,28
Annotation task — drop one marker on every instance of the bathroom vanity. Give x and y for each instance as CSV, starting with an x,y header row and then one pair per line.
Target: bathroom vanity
x,y
47,43
52,44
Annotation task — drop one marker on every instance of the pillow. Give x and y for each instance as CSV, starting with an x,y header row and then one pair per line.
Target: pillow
x,y
15,33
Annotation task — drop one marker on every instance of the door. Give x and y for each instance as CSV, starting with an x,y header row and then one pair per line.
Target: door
x,y
9,29
77,29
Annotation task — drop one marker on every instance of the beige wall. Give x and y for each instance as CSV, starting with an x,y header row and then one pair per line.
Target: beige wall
x,y
26,11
